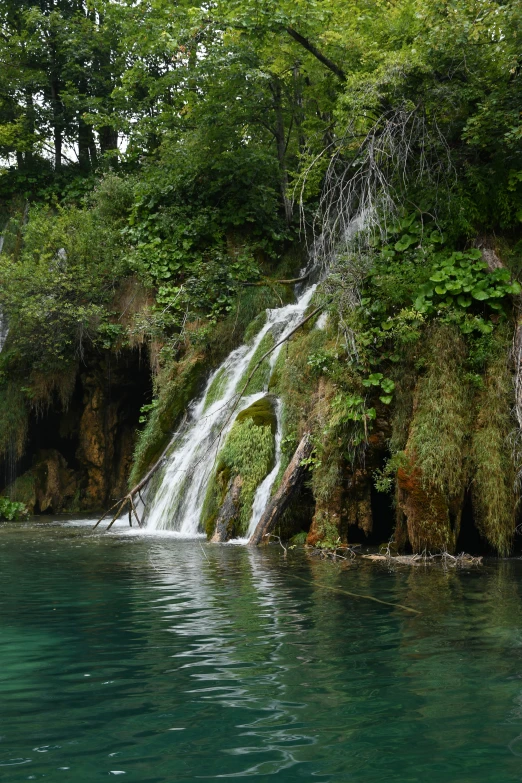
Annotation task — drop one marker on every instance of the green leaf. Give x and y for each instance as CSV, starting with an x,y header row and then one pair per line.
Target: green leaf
x,y
387,385
407,221
373,380
480,294
464,301
386,399
405,242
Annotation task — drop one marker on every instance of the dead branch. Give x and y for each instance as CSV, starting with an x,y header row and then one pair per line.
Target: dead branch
x,y
289,483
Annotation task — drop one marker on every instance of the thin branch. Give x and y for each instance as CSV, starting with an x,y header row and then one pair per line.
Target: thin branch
x,y
309,46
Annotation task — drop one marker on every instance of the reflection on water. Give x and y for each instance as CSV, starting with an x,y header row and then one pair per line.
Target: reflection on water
x,y
168,660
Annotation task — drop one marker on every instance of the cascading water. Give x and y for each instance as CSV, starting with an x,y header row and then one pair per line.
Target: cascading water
x,y
177,502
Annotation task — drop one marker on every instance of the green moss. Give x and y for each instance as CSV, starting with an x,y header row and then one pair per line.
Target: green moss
x,y
248,452
259,381
177,388
255,326
261,413
23,489
326,531
405,378
295,382
441,421
299,539
492,487
217,388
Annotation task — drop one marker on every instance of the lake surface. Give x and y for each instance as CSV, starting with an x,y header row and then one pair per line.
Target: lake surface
x,y
155,659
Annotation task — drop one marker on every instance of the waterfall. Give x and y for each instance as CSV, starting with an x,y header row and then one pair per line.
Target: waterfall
x,y
176,500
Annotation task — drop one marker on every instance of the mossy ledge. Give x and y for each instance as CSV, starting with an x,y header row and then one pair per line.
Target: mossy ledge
x,y
248,454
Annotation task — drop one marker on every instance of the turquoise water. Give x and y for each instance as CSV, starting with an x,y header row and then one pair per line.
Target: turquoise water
x,y
162,660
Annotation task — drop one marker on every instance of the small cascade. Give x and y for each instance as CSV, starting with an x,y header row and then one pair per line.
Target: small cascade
x,y
176,501
264,490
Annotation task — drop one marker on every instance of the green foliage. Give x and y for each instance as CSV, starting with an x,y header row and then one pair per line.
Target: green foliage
x,y
59,285
10,510
384,479
461,281
387,386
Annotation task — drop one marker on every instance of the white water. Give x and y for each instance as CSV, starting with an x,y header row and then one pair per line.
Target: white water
x,y
177,503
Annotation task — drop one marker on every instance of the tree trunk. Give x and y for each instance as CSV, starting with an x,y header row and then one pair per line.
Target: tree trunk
x,y
93,152
108,139
57,124
279,503
83,145
228,512
281,144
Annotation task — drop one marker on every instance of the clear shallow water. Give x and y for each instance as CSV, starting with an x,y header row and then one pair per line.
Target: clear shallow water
x,y
156,659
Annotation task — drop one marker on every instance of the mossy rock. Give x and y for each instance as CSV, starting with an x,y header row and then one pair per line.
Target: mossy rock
x,y
217,388
262,414
249,453
261,377
255,326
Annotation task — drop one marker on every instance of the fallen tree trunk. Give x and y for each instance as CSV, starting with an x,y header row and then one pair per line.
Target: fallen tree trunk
x,y
290,482
228,513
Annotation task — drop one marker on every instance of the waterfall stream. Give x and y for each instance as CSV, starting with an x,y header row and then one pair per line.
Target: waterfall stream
x,y
176,501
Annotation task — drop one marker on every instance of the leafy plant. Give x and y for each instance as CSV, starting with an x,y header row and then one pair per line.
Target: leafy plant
x,y
10,510
460,281
386,385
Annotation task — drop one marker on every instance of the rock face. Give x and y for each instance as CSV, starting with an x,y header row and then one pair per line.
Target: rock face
x,y
229,512
105,443
79,459
112,395
425,518
48,486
